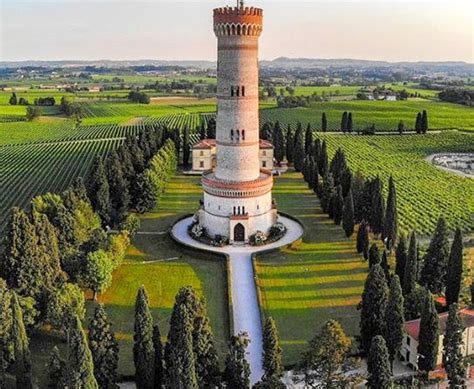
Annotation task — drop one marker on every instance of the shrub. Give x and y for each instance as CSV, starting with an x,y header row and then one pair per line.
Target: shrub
x,y
131,224
258,239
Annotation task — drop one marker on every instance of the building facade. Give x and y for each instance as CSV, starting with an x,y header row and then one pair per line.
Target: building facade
x,y
409,351
204,155
237,200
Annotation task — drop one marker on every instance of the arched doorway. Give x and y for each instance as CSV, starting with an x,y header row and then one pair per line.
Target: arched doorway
x,y
239,233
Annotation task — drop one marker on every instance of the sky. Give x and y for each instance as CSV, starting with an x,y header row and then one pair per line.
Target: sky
x,y
390,30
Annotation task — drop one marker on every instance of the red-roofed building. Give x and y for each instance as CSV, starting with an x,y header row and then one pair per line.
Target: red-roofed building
x,y
204,155
409,351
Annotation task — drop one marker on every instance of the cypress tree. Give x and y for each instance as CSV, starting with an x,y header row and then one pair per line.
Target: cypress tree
x,y
348,215
237,369
80,365
159,380
13,99
266,131
453,360
143,350
308,139
377,211
118,188
323,162
411,266
125,158
324,122
186,147
21,349
424,122
401,258
299,153
362,238
272,353
104,349
98,192
327,193
391,217
278,143
436,260
418,123
357,187
5,329
373,307
394,319
344,122
202,131
349,123
428,338
338,205
315,179
385,265
454,270
374,255
56,369
211,128
378,365
180,360
401,127
289,145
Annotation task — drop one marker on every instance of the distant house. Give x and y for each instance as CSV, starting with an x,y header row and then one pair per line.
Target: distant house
x,y
409,351
204,155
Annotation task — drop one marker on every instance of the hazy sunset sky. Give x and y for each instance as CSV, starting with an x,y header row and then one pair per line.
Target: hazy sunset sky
x,y
392,30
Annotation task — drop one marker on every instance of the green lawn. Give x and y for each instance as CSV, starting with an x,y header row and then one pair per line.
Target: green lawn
x,y
163,267
317,280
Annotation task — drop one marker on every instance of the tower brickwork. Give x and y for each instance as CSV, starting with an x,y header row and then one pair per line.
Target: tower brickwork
x,y
237,199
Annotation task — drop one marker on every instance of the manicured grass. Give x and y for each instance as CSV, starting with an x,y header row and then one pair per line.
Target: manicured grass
x,y
155,261
320,279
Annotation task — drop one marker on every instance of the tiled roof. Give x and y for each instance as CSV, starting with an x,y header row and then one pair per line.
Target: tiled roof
x,y
264,144
205,144
412,327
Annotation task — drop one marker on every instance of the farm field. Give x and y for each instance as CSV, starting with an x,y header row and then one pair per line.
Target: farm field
x,y
163,267
320,279
384,114
424,192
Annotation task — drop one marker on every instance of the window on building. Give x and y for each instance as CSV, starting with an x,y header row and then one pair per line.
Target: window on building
x,y
201,163
243,134
243,210
232,135
238,135
264,163
237,90
201,153
243,91
264,153
234,210
232,91
258,207
408,340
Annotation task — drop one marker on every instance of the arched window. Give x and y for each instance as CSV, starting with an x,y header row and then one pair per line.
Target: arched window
x,y
232,135
238,29
243,134
237,91
243,210
233,29
231,91
228,30
243,91
234,210
238,135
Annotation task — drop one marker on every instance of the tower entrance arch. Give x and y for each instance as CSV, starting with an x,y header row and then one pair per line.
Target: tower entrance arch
x,y
239,233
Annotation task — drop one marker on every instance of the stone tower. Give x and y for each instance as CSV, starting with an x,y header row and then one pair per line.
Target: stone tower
x,y
237,198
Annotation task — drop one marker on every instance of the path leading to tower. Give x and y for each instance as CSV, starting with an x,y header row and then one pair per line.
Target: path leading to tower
x,y
246,309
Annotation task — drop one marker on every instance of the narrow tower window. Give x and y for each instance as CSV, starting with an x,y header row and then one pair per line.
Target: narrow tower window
x,y
232,91
238,135
243,91
237,91
243,134
231,135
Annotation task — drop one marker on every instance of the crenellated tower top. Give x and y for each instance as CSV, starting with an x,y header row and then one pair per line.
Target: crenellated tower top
x,y
238,20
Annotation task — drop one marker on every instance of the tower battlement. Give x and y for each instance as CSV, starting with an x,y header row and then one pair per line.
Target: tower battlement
x,y
238,15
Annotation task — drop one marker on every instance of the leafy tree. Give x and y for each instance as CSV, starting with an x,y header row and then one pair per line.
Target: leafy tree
x,y
401,258
308,139
373,307
454,270
374,255
433,274
104,349
391,217
80,366
428,338
289,145
21,349
328,352
338,205
146,186
278,142
98,191
97,273
272,353
348,215
394,319
453,360
159,368
56,370
143,349
64,304
33,112
378,365
13,99
237,369
186,147
324,122
6,319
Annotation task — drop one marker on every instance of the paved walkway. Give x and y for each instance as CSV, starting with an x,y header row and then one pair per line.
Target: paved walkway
x,y
246,310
